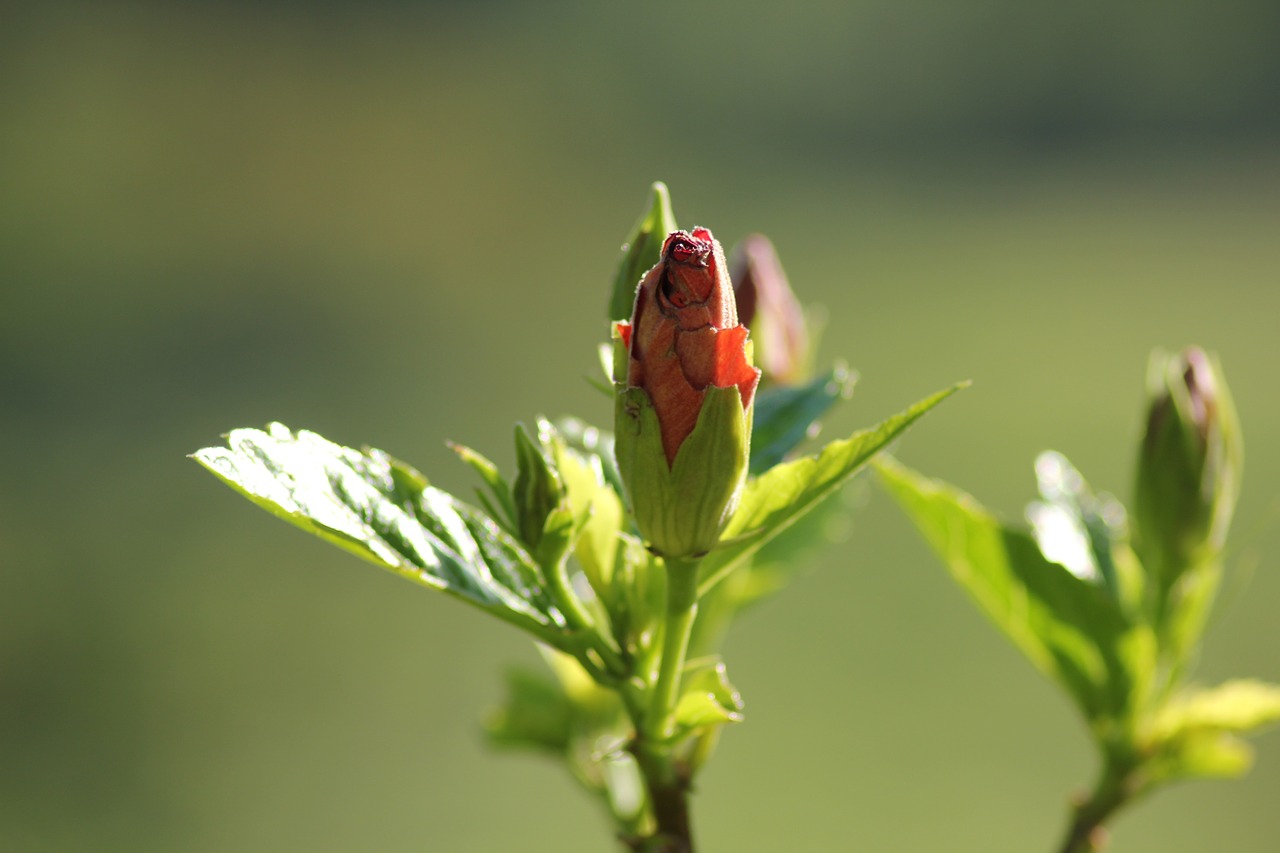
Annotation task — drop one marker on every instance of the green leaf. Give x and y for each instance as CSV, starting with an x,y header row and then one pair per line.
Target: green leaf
x,y
707,699
384,511
1203,754
1070,628
782,494
536,713
1233,706
499,489
785,415
537,490
594,442
641,251
591,499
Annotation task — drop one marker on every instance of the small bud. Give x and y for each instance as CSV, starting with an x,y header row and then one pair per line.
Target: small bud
x,y
1188,466
683,415
641,251
768,306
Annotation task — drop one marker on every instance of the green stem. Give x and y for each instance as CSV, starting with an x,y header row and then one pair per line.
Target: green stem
x,y
1086,834
682,607
666,777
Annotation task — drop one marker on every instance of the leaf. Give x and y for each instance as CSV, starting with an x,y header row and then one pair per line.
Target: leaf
x,y
708,699
785,415
642,250
592,499
594,442
1233,706
536,713
1203,754
1070,628
385,512
498,487
785,492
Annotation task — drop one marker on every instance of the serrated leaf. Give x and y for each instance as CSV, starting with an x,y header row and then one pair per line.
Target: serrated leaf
x,y
384,511
1070,628
784,416
782,494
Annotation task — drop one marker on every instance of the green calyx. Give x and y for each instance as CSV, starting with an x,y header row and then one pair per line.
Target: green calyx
x,y
681,509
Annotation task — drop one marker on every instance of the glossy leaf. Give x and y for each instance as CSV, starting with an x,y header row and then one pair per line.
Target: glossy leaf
x,y
1070,628
384,511
774,500
784,416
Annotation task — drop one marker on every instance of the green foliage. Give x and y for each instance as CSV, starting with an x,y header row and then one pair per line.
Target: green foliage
x,y
785,414
782,494
387,513
1118,630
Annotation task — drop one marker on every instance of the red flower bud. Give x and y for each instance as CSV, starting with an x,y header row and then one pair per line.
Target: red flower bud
x,y
685,336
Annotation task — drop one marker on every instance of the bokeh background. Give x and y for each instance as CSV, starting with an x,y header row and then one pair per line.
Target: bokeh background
x,y
394,223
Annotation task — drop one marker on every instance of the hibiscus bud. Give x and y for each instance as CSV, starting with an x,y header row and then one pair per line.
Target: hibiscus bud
x,y
683,415
1188,467
642,250
768,306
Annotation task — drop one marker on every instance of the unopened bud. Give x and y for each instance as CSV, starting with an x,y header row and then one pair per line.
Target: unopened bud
x,y
683,415
1188,467
768,306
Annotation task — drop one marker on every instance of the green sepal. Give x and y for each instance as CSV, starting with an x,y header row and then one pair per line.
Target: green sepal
x,y
680,510
642,250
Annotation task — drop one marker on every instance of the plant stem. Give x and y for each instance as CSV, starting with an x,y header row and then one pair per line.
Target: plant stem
x,y
666,777
682,607
1086,834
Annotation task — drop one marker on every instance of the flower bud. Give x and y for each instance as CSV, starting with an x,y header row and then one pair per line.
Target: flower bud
x,y
1188,466
683,414
768,306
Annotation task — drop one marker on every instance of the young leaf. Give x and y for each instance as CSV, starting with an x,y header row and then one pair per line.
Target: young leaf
x,y
784,415
536,714
385,512
782,494
708,699
499,488
641,251
1233,706
1070,628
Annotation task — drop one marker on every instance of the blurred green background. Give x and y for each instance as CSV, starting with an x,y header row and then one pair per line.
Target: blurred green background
x,y
395,223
